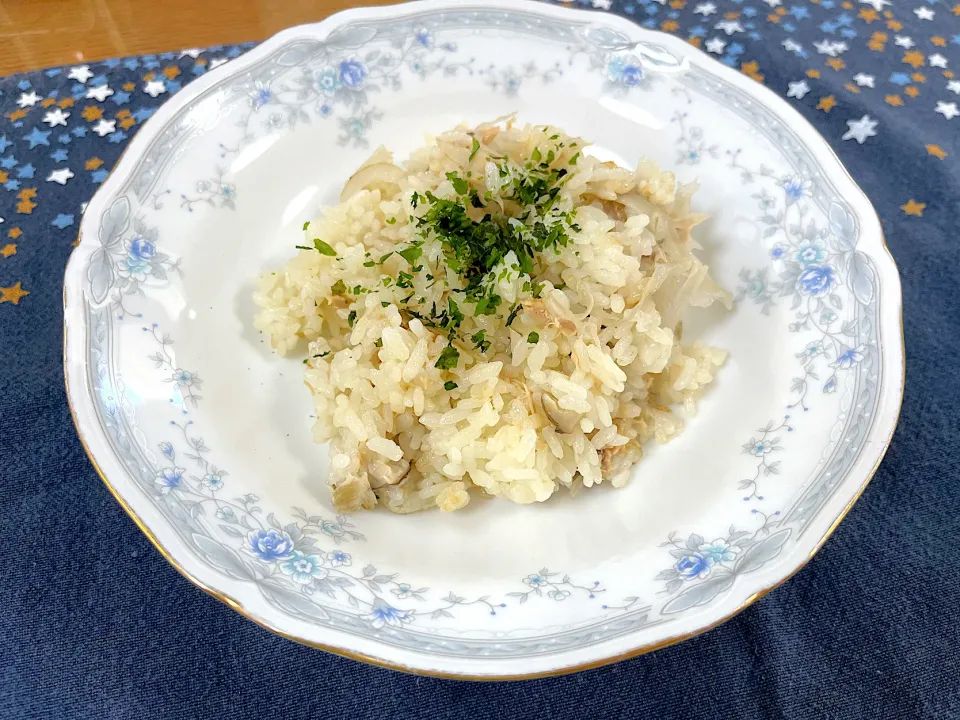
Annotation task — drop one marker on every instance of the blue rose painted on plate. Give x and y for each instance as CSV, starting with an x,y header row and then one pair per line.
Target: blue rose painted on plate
x,y
694,565
624,73
816,280
269,545
352,74
142,248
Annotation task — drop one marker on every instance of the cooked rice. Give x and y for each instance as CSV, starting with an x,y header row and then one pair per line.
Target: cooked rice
x,y
570,409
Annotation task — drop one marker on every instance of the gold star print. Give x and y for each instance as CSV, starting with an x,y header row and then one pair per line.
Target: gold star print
x,y
66,103
914,58
93,163
869,14
852,88
14,232
48,102
912,207
894,100
26,204
17,115
8,250
826,103
836,63
895,25
956,9
695,41
938,41
937,151
911,90
129,87
171,72
91,113
918,77
813,73
12,294
669,26
773,18
751,69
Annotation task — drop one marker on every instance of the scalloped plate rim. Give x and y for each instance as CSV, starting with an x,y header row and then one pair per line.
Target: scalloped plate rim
x,y
97,447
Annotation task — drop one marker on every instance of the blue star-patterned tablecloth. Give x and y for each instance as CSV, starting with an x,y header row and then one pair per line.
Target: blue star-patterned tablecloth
x,y
95,624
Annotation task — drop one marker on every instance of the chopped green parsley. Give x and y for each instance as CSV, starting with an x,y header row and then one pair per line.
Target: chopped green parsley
x,y
449,357
486,237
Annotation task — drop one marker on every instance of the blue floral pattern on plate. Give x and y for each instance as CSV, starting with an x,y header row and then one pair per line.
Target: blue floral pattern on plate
x,y
307,566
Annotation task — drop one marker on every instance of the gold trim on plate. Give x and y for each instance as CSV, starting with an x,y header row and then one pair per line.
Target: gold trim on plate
x,y
371,660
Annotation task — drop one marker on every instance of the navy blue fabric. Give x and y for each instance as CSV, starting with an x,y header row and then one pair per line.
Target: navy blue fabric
x,y
95,624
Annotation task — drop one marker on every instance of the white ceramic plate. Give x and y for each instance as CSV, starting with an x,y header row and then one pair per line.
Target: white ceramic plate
x,y
203,435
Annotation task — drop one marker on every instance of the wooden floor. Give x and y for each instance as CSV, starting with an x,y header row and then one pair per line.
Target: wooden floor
x,y
40,33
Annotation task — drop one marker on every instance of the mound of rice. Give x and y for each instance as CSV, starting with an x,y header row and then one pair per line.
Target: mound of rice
x,y
561,386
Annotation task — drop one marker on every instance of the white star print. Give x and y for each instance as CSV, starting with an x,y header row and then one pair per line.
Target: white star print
x,y
828,47
28,100
797,89
948,110
217,62
105,127
877,5
602,4
707,8
60,176
81,73
715,45
100,93
56,117
792,46
937,60
772,3
864,80
924,13
191,52
860,129
729,26
154,88
904,41
954,86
